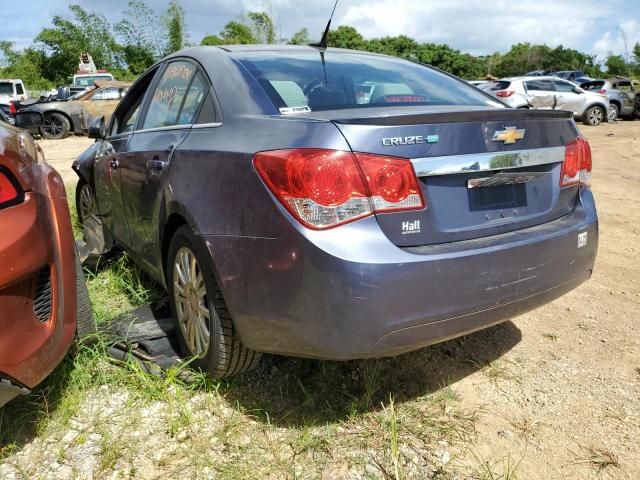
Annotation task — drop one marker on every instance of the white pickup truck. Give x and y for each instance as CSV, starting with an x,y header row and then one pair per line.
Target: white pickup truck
x,y
12,89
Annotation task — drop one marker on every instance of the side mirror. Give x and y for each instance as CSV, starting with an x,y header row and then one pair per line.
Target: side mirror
x,y
97,129
29,119
578,90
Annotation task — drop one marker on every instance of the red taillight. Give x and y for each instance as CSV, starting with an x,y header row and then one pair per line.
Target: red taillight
x,y
12,108
9,191
325,188
576,168
602,91
505,93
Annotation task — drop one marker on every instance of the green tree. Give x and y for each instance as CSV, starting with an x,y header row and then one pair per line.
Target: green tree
x,y
636,58
346,37
262,27
301,37
174,19
616,65
26,65
67,38
234,33
141,35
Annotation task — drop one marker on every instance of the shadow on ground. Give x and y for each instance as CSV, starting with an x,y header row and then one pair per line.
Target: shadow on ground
x,y
292,392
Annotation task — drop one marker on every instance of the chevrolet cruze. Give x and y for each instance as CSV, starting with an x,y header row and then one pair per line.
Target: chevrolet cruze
x,y
335,204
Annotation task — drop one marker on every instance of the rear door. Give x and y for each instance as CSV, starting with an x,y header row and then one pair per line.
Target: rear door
x,y
541,93
568,98
114,151
627,96
169,113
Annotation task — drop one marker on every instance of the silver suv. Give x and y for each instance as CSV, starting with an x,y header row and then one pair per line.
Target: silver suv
x,y
550,93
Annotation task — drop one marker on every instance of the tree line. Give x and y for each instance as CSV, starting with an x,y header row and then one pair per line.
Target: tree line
x,y
143,35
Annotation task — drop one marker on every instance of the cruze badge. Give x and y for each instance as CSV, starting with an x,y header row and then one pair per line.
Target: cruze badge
x,y
410,140
509,135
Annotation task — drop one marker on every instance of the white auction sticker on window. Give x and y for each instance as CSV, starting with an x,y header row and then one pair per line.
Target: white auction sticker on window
x,y
290,110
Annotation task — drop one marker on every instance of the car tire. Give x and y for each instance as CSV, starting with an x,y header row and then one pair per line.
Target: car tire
x,y
523,107
204,326
56,126
594,116
86,328
613,113
85,201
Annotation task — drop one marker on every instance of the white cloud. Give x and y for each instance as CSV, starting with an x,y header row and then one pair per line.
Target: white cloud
x,y
475,26
614,40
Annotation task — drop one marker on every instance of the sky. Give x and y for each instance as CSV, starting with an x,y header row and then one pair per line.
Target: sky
x,y
474,26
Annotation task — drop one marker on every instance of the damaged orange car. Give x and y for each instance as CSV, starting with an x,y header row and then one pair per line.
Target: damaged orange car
x,y
43,296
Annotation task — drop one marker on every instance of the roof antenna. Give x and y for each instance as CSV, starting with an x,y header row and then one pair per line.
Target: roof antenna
x,y
323,41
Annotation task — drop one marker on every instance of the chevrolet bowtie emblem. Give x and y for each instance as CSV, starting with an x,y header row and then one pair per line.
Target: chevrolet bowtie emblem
x,y
509,135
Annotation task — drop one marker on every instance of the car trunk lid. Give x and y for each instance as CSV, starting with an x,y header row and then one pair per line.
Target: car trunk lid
x,y
482,171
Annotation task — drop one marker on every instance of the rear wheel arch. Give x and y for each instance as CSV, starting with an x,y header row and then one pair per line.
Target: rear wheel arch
x,y
64,114
171,226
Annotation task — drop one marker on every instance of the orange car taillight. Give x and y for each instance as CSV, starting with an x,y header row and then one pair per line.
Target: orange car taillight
x,y
10,191
577,165
325,188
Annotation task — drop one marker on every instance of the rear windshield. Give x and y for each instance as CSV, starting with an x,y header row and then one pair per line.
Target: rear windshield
x,y
88,81
6,88
303,82
592,85
497,85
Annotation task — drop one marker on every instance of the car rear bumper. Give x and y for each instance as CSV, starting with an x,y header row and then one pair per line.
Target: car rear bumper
x,y
37,284
350,293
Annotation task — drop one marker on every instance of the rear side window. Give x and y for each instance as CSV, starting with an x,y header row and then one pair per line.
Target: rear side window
x,y
19,89
539,85
305,81
198,90
6,88
624,87
564,86
592,86
497,85
168,95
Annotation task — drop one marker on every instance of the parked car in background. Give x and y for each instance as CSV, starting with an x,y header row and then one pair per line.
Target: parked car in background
x,y
551,93
43,297
285,213
536,73
630,93
74,115
12,90
570,75
614,95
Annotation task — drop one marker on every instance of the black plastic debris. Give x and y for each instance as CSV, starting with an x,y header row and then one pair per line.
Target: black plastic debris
x,y
145,334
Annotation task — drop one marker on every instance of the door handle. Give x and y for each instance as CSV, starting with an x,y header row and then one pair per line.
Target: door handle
x,y
114,163
156,166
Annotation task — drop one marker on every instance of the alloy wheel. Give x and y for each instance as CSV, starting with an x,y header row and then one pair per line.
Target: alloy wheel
x,y
53,125
192,307
612,114
595,116
87,203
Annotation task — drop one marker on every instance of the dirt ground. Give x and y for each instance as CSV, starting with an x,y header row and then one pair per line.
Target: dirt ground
x,y
557,389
